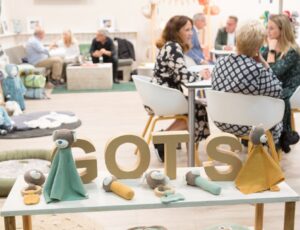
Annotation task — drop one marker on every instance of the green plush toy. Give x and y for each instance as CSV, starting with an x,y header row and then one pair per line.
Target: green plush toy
x,y
63,182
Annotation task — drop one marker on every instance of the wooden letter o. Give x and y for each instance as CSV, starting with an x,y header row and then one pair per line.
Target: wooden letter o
x,y
143,157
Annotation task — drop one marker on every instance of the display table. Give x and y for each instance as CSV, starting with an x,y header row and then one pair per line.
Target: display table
x,y
90,76
144,198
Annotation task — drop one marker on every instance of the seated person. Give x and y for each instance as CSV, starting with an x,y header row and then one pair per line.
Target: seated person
x,y
283,56
69,46
170,71
38,55
103,48
247,73
225,39
196,52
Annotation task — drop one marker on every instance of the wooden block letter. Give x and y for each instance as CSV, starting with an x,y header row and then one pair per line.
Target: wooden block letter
x,y
143,158
87,162
214,151
170,139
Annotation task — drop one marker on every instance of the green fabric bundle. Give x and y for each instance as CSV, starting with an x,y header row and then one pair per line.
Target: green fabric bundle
x,y
63,182
35,81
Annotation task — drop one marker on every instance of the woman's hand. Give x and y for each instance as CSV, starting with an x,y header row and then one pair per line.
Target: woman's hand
x,y
272,43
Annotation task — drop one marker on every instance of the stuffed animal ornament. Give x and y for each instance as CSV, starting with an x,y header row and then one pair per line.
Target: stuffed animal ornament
x,y
63,182
260,172
6,124
35,179
13,87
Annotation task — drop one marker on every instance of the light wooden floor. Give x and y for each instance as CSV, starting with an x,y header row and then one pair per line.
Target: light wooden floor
x,y
106,115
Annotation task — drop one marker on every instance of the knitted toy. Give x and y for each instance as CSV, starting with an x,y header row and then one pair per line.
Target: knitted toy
x,y
63,182
35,179
6,124
260,172
13,87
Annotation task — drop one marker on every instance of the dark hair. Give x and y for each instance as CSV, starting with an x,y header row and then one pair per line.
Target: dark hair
x,y
171,32
234,18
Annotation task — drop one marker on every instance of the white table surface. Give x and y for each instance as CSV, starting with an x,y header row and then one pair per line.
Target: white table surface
x,y
222,52
198,68
199,84
144,197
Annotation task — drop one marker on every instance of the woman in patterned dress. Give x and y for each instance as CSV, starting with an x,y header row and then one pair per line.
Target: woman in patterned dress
x,y
283,56
170,70
247,73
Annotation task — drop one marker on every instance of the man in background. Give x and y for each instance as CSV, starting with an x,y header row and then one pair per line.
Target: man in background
x,y
38,55
196,52
225,39
103,50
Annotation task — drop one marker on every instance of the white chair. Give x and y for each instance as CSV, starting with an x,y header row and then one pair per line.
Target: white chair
x,y
295,106
249,110
164,104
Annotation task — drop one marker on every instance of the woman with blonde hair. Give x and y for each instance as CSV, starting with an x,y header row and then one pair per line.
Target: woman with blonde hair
x,y
246,72
283,56
170,71
70,46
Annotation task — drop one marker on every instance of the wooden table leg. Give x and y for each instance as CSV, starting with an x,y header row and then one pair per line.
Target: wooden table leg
x,y
27,224
10,223
289,215
259,216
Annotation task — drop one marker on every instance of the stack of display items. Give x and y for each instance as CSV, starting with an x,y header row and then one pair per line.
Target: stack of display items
x,y
34,81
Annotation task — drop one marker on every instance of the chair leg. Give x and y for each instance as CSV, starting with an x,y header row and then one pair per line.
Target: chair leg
x,y
197,158
151,130
292,120
145,130
272,146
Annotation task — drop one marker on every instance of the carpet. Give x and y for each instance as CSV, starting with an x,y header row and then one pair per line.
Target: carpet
x,y
122,87
24,132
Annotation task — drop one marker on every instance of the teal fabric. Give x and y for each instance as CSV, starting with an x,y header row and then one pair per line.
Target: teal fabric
x,y
63,182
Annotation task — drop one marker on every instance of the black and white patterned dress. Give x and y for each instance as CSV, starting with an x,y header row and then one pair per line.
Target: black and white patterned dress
x,y
170,70
242,74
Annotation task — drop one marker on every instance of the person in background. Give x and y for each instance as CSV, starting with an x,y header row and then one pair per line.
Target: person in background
x,y
196,52
246,72
38,55
170,71
283,55
70,46
225,39
103,49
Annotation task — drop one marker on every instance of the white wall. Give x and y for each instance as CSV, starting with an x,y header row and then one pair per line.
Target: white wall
x,y
83,15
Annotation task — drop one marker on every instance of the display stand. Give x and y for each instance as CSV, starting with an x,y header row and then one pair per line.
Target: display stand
x,y
144,198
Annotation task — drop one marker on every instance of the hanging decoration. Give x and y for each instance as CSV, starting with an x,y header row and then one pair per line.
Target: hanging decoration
x,y
212,10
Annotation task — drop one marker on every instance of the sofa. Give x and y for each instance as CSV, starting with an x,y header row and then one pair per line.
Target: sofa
x,y
16,55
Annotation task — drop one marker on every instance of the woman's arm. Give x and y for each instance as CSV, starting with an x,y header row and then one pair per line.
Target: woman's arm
x,y
269,85
177,63
281,66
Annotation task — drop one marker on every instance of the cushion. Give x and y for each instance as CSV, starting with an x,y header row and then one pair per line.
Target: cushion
x,y
125,62
20,156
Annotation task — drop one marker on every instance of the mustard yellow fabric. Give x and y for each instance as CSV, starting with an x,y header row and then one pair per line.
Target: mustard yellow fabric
x,y
259,173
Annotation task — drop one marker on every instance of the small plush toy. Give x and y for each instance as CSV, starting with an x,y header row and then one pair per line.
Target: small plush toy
x,y
35,179
155,178
158,181
63,182
6,124
110,184
13,87
13,108
260,171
